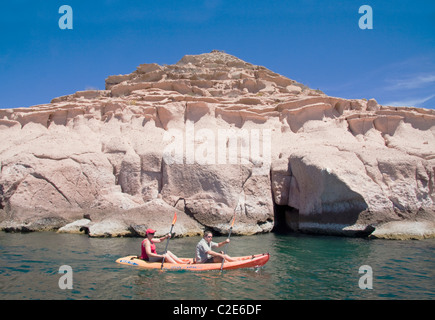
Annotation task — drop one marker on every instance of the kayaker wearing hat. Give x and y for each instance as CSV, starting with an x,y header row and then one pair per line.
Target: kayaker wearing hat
x,y
148,249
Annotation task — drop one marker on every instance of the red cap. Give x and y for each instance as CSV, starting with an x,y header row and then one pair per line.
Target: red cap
x,y
151,230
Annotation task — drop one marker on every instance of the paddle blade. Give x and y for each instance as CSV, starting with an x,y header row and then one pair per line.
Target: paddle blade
x,y
234,219
175,218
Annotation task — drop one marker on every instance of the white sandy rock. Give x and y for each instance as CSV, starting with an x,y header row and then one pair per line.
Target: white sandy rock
x,y
77,226
209,136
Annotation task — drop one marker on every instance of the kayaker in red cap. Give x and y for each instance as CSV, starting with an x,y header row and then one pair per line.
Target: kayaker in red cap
x,y
148,249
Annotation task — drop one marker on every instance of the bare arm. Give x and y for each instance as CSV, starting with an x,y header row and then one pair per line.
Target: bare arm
x,y
220,244
158,240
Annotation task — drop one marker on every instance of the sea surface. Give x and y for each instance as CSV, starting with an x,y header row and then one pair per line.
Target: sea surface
x,y
300,267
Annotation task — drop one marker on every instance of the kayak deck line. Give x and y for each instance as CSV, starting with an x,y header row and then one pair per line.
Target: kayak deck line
x,y
256,260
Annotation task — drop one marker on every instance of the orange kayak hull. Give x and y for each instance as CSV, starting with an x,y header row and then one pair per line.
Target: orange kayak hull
x,y
253,261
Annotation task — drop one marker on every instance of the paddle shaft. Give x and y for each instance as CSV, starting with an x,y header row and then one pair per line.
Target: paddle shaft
x,y
225,250
166,249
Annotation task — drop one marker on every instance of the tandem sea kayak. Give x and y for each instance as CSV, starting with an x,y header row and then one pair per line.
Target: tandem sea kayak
x,y
252,261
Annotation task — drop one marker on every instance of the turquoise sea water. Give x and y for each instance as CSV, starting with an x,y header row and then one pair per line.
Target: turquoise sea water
x,y
300,267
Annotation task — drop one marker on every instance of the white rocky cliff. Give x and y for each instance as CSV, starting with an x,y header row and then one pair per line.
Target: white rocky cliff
x,y
209,136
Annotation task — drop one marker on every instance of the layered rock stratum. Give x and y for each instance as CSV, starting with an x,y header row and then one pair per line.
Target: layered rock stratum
x,y
209,137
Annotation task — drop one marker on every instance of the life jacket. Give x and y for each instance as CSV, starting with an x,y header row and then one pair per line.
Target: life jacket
x,y
143,252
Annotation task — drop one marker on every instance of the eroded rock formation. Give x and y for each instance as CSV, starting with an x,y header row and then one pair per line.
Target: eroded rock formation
x,y
209,136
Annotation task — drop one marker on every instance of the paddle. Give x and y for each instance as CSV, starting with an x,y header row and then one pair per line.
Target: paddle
x,y
170,232
229,235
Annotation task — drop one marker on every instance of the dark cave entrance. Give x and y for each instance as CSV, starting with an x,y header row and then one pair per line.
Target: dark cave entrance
x,y
1,197
286,219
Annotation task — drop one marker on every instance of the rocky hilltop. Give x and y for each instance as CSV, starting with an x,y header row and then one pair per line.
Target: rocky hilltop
x,y
208,137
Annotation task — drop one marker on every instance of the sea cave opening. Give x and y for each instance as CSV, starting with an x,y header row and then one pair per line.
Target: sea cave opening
x,y
286,219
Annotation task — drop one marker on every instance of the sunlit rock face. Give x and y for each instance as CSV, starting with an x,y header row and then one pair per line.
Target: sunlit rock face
x,y
209,137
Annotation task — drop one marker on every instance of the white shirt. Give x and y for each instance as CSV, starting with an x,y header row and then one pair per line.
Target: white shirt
x,y
201,250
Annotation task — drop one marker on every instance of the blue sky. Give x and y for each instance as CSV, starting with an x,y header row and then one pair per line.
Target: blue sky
x,y
317,43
